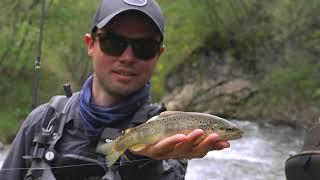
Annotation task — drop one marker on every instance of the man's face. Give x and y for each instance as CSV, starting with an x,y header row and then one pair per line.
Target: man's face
x,y
119,76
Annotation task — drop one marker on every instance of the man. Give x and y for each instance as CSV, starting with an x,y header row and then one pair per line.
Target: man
x,y
125,44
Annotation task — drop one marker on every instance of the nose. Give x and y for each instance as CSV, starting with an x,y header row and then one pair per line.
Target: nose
x,y
127,56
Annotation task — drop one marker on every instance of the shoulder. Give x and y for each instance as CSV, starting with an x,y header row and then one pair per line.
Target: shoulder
x,y
41,115
146,111
33,122
35,116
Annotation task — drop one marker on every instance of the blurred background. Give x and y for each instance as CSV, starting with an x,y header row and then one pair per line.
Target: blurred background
x,y
254,62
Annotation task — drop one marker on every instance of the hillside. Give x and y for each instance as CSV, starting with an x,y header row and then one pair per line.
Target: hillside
x,y
264,67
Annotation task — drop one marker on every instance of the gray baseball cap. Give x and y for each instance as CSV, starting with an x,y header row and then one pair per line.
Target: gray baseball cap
x,y
108,9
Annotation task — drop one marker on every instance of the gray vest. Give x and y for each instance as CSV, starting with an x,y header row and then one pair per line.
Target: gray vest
x,y
62,151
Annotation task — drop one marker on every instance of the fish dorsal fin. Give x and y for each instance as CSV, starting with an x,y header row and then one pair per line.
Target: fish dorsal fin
x,y
153,118
169,113
164,114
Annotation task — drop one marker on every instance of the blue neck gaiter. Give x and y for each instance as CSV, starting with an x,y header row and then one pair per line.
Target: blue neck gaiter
x,y
96,118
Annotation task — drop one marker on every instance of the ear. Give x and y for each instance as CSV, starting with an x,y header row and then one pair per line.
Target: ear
x,y
89,44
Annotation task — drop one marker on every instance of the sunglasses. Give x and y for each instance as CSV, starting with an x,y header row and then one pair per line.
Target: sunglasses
x,y
115,44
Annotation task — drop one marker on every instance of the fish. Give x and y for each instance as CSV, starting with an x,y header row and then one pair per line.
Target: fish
x,y
167,124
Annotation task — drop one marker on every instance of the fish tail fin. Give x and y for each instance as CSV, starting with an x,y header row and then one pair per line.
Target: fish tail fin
x,y
111,154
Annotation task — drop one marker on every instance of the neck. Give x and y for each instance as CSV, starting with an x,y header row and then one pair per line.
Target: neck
x,y
101,97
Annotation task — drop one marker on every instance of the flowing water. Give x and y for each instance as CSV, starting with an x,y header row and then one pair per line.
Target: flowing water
x,y
2,156
259,155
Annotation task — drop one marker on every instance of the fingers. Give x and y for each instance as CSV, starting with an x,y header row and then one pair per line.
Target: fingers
x,y
190,142
180,146
190,149
220,145
167,145
178,150
205,146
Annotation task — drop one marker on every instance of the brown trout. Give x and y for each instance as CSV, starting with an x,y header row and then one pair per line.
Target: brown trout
x,y
168,123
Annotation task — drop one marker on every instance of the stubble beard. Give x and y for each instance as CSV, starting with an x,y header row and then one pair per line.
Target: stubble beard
x,y
120,91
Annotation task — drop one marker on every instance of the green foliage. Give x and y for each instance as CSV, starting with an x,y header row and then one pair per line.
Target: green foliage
x,y
188,25
297,78
293,41
288,86
65,25
252,31
184,32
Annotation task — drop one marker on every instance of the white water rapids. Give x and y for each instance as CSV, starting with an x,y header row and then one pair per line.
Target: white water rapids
x,y
259,155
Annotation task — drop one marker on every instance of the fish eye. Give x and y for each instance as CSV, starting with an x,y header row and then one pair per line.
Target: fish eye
x,y
229,129
221,128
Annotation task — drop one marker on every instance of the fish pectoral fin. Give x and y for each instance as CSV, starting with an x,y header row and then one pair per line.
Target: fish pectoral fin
x,y
138,147
169,113
199,140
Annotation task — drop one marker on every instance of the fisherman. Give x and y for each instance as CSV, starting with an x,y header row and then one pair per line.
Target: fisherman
x,y
125,44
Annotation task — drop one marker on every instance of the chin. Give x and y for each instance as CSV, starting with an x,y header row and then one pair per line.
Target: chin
x,y
123,91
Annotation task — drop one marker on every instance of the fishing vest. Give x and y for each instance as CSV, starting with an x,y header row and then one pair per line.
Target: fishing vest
x,y
305,165
62,151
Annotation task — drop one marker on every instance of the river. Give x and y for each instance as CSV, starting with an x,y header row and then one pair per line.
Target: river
x,y
259,155
2,156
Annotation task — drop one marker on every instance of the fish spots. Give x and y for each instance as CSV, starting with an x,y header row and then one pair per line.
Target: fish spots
x,y
205,126
167,125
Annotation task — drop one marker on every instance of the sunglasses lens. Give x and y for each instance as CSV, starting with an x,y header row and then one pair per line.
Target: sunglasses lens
x,y
112,44
145,49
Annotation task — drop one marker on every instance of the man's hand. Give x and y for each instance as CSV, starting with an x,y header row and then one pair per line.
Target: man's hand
x,y
182,146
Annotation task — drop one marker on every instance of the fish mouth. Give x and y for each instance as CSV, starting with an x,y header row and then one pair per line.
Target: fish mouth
x,y
235,136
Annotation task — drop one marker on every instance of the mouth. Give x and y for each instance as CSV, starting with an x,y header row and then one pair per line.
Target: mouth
x,y
236,136
124,74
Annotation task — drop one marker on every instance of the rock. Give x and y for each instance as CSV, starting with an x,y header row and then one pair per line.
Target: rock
x,y
222,85
210,96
